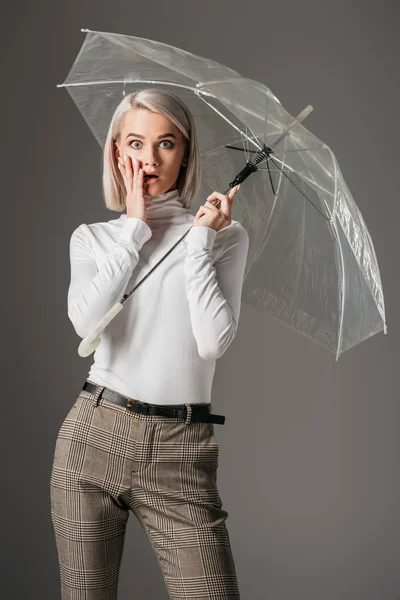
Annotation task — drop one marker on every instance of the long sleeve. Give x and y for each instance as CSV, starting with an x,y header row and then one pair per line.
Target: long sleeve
x,y
214,291
93,291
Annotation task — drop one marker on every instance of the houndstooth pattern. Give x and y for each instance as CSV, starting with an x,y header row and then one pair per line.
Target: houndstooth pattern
x,y
108,462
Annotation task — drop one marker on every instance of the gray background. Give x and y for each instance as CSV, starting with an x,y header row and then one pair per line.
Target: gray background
x,y
313,495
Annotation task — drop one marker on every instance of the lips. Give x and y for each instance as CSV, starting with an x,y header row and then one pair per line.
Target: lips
x,y
149,181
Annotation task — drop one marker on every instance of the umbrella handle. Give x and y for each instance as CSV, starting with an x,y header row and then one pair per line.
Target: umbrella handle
x,y
91,341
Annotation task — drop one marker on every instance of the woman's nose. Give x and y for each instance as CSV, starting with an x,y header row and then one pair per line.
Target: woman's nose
x,y
149,158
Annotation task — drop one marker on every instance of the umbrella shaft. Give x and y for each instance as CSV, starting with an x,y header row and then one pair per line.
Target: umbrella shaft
x,y
244,173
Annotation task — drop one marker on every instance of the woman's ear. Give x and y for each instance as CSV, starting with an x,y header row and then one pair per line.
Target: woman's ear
x,y
117,153
185,159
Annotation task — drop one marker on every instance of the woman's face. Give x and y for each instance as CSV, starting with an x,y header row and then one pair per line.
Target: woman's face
x,y
157,144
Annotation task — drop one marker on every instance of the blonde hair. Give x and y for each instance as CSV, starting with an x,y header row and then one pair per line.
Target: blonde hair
x,y
173,108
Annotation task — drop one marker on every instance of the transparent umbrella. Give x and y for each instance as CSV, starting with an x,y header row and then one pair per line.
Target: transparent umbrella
x,y
311,261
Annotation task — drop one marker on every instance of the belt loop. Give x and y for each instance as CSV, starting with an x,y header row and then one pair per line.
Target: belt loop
x,y
96,395
188,414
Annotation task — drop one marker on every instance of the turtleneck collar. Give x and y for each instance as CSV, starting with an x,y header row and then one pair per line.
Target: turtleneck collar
x,y
164,207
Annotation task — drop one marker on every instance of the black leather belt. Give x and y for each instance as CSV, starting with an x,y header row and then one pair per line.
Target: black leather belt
x,y
200,412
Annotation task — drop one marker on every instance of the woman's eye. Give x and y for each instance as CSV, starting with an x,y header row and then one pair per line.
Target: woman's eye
x,y
163,142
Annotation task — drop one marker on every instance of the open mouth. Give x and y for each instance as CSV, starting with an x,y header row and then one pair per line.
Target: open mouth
x,y
151,178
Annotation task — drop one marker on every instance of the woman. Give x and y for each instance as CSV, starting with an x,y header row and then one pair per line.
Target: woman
x,y
140,436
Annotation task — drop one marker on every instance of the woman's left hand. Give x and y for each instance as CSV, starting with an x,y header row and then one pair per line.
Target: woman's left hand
x,y
209,215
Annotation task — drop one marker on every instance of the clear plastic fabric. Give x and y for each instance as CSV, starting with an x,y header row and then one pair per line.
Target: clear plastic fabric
x,y
311,261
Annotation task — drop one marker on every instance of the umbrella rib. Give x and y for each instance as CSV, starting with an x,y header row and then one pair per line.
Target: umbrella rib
x,y
275,152
109,81
188,87
227,120
301,192
282,171
307,180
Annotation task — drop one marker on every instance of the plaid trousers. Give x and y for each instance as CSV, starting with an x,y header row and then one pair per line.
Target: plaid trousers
x,y
109,460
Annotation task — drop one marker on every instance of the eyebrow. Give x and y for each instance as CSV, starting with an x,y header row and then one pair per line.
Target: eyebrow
x,y
159,137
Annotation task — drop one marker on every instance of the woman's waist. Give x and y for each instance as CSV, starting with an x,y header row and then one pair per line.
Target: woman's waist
x,y
156,387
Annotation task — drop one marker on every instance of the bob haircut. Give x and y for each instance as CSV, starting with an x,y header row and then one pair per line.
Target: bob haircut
x,y
173,108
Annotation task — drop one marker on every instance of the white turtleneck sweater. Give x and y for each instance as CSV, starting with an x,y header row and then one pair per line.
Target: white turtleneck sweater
x,y
162,347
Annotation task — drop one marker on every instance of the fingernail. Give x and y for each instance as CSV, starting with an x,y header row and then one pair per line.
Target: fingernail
x,y
238,186
125,157
119,166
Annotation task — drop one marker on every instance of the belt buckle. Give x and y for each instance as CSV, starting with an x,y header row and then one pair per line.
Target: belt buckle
x,y
130,400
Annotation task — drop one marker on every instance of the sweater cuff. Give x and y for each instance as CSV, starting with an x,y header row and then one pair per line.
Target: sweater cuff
x,y
201,237
135,230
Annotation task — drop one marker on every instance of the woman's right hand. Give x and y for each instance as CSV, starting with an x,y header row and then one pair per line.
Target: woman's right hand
x,y
133,180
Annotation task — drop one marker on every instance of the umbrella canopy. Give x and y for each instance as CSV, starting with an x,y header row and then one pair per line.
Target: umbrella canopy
x,y
311,261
